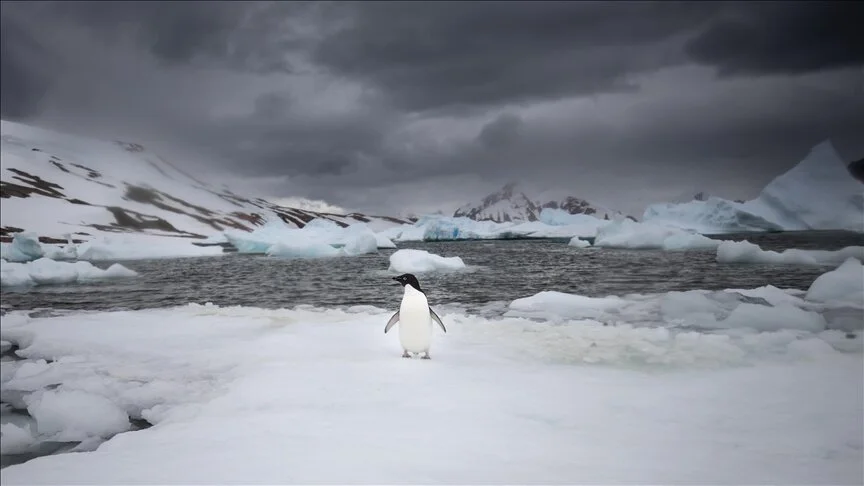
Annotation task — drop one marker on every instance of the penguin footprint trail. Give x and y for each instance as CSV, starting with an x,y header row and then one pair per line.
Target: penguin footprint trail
x,y
415,318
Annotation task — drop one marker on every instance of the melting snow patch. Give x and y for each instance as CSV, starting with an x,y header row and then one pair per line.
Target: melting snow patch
x,y
746,252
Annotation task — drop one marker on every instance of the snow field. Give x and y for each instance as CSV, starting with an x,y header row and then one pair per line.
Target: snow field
x,y
307,395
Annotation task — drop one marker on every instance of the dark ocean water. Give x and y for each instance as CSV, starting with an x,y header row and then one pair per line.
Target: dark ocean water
x,y
500,271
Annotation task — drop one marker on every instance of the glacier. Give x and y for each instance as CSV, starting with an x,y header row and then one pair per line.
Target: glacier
x,y
819,193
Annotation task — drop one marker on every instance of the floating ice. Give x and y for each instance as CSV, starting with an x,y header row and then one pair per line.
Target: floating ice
x,y
419,261
302,248
818,194
844,284
320,238
746,252
45,271
633,235
25,247
579,243
208,375
442,228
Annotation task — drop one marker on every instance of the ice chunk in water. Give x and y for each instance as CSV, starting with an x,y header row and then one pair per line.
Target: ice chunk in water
x,y
418,261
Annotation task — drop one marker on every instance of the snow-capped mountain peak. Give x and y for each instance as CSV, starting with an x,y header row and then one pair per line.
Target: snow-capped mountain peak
x,y
510,203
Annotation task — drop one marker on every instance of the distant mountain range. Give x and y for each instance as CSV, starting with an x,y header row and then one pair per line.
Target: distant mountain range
x,y
58,185
510,203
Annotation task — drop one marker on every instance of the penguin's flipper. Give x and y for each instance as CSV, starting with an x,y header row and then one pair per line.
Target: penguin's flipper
x,y
392,322
437,319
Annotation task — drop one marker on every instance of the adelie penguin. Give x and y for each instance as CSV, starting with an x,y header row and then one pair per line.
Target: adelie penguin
x,y
415,318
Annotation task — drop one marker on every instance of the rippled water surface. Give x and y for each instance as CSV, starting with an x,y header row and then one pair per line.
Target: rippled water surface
x,y
499,271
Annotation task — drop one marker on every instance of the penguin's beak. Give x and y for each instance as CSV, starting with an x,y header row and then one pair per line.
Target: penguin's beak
x,y
397,279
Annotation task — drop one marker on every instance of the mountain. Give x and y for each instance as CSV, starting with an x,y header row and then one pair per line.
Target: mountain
x,y
819,193
511,204
58,185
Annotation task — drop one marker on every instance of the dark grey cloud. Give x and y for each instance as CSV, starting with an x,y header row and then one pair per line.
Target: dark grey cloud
x,y
430,55
782,37
387,106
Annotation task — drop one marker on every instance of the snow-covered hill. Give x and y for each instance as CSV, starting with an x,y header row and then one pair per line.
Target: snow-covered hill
x,y
512,204
57,185
820,193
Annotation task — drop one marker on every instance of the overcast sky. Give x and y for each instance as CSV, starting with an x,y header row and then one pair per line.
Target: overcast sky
x,y
395,107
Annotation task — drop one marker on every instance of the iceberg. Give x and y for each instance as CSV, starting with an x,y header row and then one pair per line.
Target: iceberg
x,y
444,228
633,235
320,238
25,247
817,194
578,242
844,284
45,271
746,252
302,248
420,261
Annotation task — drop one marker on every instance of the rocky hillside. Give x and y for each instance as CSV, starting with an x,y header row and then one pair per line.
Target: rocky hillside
x,y
511,204
58,186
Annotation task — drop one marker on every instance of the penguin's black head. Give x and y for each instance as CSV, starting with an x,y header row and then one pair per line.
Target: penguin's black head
x,y
408,279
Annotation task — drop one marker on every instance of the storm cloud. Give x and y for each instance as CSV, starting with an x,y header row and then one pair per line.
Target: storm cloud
x,y
392,107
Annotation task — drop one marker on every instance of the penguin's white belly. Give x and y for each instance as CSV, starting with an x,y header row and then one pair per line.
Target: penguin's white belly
x,y
415,324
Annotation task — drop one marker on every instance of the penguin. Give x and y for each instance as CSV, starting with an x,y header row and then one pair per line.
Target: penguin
x,y
415,318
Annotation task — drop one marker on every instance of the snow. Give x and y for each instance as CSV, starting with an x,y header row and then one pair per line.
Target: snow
x,y
843,284
420,261
752,310
746,252
633,235
15,439
782,316
818,193
89,177
75,415
45,271
552,303
559,217
311,395
141,246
